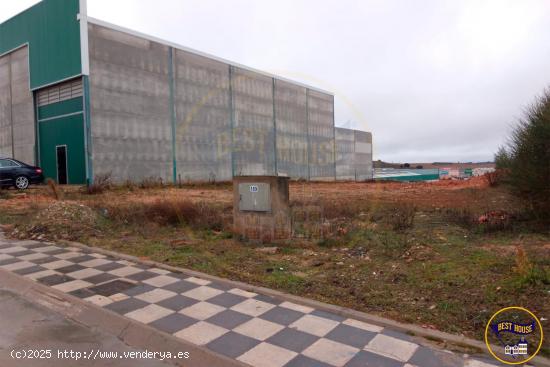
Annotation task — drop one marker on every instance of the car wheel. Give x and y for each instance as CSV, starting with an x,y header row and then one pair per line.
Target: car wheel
x,y
21,183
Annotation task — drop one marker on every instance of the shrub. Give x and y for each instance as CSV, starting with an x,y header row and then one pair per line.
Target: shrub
x,y
333,209
461,216
502,158
167,212
492,178
495,221
100,184
402,216
527,272
182,212
527,157
490,221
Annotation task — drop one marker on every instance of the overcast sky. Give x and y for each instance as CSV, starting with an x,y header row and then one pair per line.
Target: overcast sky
x,y
434,80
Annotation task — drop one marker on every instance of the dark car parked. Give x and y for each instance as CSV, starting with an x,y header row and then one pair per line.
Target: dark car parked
x,y
18,174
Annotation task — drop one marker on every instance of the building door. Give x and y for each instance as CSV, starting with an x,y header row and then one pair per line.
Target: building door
x,y
61,124
61,153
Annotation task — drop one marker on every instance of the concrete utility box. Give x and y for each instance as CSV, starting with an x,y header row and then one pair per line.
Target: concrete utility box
x,y
261,209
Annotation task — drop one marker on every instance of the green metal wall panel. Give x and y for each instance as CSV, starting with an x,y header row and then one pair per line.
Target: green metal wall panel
x,y
410,178
60,108
67,131
390,174
52,31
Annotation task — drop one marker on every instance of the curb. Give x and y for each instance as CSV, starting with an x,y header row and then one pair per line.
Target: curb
x,y
133,333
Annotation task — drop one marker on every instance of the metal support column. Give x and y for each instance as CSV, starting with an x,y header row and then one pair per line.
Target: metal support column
x,y
87,130
274,131
334,141
232,120
307,135
172,111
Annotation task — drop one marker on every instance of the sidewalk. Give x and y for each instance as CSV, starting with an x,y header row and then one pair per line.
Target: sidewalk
x,y
252,328
26,325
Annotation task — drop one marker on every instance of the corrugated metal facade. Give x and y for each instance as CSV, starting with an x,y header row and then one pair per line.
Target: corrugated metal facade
x,y
40,47
61,123
52,31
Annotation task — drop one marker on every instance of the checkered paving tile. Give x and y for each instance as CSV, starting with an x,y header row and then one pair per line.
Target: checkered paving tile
x,y
256,329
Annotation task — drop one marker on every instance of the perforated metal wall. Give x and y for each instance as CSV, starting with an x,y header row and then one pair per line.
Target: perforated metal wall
x,y
17,131
345,154
253,124
6,148
203,118
363,156
321,136
130,106
291,126
158,111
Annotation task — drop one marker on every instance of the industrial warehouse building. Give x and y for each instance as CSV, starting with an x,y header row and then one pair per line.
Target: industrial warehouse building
x,y
81,97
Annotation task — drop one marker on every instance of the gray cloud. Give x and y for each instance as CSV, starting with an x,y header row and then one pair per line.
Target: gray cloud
x,y
433,80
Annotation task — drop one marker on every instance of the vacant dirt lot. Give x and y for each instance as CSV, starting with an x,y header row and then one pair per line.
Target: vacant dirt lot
x,y
444,255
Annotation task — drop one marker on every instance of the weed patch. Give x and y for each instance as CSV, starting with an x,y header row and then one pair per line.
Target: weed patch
x,y
167,212
461,216
100,185
402,216
4,194
54,189
528,273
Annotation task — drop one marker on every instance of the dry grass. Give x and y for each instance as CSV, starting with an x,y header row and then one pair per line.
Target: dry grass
x,y
345,209
317,218
54,189
151,183
463,217
4,194
167,212
100,185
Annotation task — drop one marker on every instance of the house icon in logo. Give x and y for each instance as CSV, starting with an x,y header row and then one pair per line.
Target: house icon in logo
x,y
518,349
